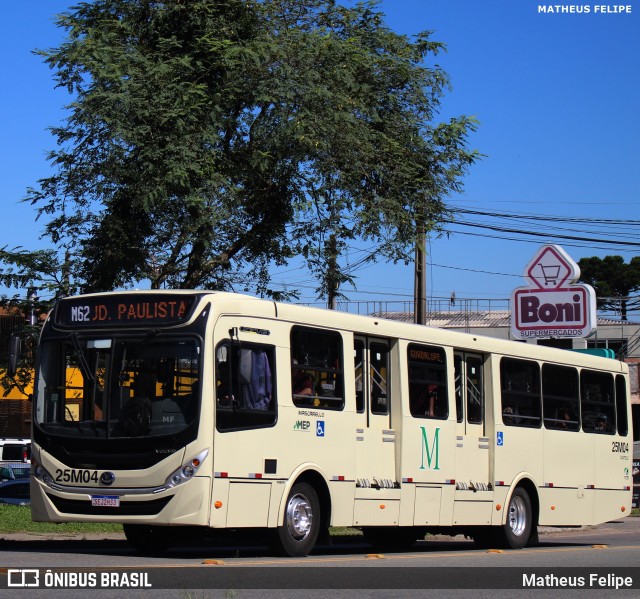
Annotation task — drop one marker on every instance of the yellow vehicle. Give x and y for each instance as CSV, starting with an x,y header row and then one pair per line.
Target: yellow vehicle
x,y
207,411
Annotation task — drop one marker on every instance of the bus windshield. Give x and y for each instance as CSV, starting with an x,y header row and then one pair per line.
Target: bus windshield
x,y
138,386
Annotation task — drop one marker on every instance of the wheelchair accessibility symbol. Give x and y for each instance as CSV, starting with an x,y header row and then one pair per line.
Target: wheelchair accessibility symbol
x,y
320,428
500,439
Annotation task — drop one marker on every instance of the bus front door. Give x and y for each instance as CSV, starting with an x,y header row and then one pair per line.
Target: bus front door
x,y
377,493
474,489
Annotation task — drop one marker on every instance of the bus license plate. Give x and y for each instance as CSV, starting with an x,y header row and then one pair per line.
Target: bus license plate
x,y
105,501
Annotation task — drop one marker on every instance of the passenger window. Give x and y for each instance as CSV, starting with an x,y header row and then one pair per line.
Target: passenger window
x,y
474,386
457,367
520,387
379,377
597,399
561,402
316,368
245,386
358,364
427,382
621,405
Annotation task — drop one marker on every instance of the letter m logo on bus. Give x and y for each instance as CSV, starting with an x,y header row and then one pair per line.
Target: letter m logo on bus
x,y
430,450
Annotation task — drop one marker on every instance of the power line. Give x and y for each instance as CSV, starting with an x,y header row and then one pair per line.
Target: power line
x,y
552,218
545,234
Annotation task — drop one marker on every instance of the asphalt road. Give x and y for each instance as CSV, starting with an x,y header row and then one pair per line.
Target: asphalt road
x,y
605,559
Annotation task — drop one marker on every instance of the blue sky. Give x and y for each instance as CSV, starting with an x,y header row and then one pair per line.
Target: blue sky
x,y
557,97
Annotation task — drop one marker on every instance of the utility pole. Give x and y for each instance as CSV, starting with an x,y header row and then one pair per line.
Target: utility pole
x,y
420,278
332,273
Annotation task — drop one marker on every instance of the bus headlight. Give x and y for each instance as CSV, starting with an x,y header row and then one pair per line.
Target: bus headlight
x,y
187,470
41,474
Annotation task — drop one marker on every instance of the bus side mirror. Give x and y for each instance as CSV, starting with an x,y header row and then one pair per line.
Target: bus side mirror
x,y
14,355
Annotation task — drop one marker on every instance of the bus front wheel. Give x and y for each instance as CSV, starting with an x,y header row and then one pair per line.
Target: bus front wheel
x,y
299,532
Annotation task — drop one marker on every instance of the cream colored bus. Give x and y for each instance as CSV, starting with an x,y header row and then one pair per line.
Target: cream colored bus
x,y
206,411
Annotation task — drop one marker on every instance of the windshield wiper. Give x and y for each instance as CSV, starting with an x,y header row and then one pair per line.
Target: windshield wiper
x,y
82,360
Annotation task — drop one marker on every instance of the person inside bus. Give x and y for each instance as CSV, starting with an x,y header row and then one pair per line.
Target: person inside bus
x,y
564,418
432,399
302,382
602,424
425,401
509,415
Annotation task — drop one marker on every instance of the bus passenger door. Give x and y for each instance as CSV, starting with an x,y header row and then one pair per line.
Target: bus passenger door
x,y
473,495
375,437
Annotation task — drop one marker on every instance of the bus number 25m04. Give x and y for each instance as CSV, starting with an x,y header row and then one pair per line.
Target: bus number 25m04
x,y
67,475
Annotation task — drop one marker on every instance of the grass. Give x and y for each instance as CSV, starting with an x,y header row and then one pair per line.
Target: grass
x,y
15,518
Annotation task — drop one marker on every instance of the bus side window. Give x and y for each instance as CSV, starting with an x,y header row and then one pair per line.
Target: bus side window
x,y
457,366
316,368
520,392
560,398
358,364
598,402
621,405
245,386
379,377
474,389
427,382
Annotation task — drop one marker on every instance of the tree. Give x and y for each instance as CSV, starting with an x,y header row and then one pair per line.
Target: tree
x,y
208,139
613,280
41,273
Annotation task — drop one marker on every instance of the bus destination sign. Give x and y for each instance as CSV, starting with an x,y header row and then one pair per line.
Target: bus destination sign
x,y
118,310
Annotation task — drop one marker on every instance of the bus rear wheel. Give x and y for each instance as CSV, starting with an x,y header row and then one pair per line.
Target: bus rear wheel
x,y
517,532
517,529
299,532
146,539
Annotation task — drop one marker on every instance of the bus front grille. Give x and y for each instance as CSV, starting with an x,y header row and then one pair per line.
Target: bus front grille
x,y
126,508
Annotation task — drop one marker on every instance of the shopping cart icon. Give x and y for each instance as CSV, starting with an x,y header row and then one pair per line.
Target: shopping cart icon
x,y
551,268
550,273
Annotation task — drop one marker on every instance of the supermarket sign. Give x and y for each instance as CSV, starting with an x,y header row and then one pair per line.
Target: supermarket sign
x,y
553,305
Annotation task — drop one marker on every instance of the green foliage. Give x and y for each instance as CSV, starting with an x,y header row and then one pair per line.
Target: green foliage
x,y
39,270
207,139
613,280
17,519
39,274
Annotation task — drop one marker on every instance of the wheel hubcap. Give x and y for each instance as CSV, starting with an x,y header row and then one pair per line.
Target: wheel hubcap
x,y
517,516
299,517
